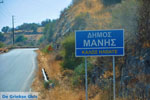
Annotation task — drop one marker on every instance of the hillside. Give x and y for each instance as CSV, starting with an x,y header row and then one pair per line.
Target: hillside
x,y
132,70
91,15
23,36
85,14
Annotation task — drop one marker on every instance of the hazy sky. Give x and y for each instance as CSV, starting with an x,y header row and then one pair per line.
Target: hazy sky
x,y
28,11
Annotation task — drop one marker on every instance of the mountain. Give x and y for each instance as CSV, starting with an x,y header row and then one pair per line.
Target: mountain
x,y
84,14
27,34
132,70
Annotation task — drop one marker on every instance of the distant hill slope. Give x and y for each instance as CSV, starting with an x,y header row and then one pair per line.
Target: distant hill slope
x,y
31,37
86,14
96,15
132,70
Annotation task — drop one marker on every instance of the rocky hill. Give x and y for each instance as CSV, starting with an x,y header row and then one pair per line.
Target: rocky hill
x,y
24,37
85,14
132,70
91,15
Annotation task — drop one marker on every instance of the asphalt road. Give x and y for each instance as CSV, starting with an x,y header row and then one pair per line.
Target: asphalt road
x,y
17,70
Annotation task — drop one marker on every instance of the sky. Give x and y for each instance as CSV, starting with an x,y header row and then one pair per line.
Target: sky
x,y
29,11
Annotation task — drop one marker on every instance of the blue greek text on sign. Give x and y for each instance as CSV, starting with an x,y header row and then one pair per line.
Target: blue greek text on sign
x,y
99,43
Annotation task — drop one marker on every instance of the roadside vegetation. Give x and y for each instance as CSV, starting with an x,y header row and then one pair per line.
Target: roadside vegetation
x,y
1,45
68,53
132,70
57,51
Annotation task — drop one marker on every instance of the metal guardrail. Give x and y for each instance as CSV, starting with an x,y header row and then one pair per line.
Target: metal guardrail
x,y
51,85
44,75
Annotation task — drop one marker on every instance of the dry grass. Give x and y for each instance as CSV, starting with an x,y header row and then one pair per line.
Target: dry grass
x,y
94,8
3,50
62,91
53,69
146,45
40,29
34,36
83,7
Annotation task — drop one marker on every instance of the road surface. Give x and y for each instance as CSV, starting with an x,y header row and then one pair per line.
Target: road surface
x,y
17,70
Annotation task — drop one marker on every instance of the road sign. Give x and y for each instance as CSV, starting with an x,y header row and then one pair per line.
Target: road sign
x,y
99,43
50,48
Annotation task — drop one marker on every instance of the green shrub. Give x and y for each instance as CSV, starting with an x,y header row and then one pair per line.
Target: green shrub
x,y
125,16
45,49
1,45
41,40
2,38
70,61
76,1
49,30
49,83
110,2
20,38
46,84
58,57
79,74
80,21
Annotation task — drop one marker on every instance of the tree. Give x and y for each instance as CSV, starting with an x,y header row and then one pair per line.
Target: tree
x,y
20,38
49,30
110,2
44,23
2,38
5,29
75,1
144,23
1,45
28,26
70,61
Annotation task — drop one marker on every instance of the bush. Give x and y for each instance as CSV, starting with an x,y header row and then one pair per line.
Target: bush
x,y
80,21
45,50
41,39
46,85
110,2
20,38
1,45
50,84
5,29
70,61
79,74
28,26
76,1
58,57
49,30
2,38
125,16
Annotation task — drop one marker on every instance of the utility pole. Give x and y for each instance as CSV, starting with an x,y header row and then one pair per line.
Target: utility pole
x,y
13,30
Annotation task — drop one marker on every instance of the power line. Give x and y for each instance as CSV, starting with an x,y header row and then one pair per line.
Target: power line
x,y
2,1
5,12
6,9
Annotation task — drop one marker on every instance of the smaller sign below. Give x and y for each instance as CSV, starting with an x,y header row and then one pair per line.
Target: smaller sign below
x,y
99,43
50,48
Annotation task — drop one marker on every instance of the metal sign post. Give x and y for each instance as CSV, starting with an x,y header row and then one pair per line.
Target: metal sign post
x,y
99,43
114,79
86,81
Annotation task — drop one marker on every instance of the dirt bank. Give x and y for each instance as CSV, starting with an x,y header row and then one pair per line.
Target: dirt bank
x,y
62,91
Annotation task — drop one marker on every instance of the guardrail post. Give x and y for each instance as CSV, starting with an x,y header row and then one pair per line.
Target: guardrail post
x,y
44,75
